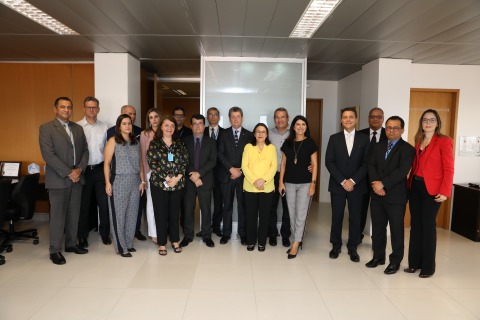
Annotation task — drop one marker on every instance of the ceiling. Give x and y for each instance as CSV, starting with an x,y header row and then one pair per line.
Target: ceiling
x,y
170,36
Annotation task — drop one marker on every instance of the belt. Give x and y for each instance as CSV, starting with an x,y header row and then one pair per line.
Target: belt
x,y
95,166
418,178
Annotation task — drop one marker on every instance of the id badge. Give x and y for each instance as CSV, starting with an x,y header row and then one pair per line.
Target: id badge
x,y
170,156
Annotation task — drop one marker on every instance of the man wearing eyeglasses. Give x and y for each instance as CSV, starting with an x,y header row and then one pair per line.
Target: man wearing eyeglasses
x,y
388,167
93,194
376,133
182,131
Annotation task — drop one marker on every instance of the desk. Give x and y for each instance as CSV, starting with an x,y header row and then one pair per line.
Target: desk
x,y
466,211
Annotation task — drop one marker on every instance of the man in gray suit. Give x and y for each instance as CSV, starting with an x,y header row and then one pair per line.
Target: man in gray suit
x,y
65,151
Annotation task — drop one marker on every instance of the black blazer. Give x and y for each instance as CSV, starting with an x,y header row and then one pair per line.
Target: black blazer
x,y
230,155
208,159
383,135
342,166
392,171
218,167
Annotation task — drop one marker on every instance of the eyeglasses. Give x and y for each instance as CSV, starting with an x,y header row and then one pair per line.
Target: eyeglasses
x,y
393,129
376,117
431,120
261,132
212,115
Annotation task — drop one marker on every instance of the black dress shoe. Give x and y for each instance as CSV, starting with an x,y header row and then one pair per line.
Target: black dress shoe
x,y
272,241
286,242
76,249
250,247
410,270
261,248
140,236
391,269
374,263
218,232
224,240
57,258
126,255
209,242
199,234
333,254
132,250
106,240
243,241
185,242
353,255
83,242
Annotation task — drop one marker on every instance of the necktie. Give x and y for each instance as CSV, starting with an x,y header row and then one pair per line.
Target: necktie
x,y
236,137
212,134
389,148
374,138
349,143
196,154
71,139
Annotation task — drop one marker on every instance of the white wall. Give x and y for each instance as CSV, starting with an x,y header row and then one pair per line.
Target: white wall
x,y
350,91
326,90
467,79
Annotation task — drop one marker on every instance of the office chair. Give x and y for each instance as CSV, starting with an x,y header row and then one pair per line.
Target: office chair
x,y
5,193
22,207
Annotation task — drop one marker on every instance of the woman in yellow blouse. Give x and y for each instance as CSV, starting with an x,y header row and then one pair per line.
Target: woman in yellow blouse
x,y
259,165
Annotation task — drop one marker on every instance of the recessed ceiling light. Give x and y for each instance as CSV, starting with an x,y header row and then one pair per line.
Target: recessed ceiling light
x,y
313,17
37,15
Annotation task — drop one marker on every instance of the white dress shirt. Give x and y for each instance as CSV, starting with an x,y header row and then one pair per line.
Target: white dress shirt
x,y
96,135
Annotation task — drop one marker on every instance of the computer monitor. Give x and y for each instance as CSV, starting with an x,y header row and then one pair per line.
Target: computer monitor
x,y
10,169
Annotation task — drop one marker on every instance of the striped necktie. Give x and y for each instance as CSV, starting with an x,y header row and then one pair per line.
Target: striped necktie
x,y
389,148
235,138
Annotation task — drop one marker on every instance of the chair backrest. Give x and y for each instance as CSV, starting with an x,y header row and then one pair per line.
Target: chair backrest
x,y
24,194
5,195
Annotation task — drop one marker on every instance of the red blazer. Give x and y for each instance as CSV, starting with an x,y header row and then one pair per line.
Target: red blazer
x,y
436,166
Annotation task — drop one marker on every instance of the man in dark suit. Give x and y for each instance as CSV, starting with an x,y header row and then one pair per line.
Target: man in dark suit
x,y
65,151
230,150
213,130
202,158
376,133
388,168
346,160
132,113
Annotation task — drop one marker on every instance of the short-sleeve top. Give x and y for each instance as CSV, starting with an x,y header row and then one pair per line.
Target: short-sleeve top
x,y
161,166
298,172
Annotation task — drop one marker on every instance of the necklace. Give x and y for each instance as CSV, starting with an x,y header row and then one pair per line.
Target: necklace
x,y
296,151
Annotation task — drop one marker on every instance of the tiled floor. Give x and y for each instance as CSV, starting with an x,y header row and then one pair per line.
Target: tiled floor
x,y
228,282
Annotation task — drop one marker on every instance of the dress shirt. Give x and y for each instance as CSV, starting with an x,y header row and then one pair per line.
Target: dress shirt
x,y
96,135
215,131
349,139
258,164
377,136
277,139
239,130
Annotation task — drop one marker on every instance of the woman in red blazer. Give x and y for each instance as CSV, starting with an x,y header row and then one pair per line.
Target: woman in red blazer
x,y
430,184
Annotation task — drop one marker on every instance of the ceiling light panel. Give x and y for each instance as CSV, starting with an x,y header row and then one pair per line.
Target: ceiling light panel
x,y
313,17
37,15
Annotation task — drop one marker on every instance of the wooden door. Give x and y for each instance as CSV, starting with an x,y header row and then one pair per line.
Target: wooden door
x,y
445,102
314,116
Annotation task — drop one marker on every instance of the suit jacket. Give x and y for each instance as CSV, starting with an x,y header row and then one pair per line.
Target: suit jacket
x,y
230,155
436,165
208,159
392,171
57,151
342,166
218,167
383,135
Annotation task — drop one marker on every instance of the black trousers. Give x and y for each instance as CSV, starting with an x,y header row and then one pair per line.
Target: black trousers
x,y
229,190
423,232
338,208
382,214
141,210
93,195
204,200
217,205
166,208
364,211
285,231
257,207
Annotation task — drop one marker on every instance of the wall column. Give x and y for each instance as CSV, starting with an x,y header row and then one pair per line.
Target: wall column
x,y
117,83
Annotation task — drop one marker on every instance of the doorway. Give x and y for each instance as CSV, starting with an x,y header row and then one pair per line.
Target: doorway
x,y
314,115
445,102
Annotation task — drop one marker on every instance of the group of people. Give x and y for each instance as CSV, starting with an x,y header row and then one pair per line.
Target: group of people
x,y
170,165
